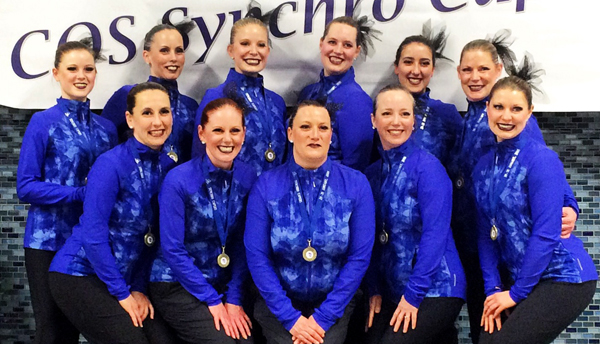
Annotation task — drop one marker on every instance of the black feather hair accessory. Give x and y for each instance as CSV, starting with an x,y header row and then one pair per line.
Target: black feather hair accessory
x,y
437,40
528,71
502,42
89,42
366,33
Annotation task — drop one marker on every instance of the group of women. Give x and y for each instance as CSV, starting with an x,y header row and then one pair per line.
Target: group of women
x,y
208,229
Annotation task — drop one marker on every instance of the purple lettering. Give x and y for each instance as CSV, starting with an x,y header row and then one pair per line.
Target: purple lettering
x,y
309,13
273,24
208,39
437,4
15,59
378,11
119,37
167,19
96,38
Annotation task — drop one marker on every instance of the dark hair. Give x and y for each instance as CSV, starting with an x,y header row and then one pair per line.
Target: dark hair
x,y
393,87
330,110
436,42
364,31
522,79
144,86
183,28
84,44
218,104
498,47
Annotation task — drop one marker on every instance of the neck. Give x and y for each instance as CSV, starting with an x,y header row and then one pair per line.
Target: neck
x,y
310,164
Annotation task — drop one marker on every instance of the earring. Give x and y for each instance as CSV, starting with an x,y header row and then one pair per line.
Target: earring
x,y
203,142
291,141
372,126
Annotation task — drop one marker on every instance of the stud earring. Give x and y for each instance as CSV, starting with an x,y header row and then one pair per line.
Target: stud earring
x,y
291,141
203,142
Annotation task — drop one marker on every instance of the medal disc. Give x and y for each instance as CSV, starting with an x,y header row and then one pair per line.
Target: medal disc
x,y
309,254
149,239
270,155
383,237
460,182
223,260
173,155
494,232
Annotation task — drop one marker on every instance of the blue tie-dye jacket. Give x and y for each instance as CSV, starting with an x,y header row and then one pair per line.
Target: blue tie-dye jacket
x,y
420,259
276,236
437,126
190,240
109,239
183,109
352,138
475,141
265,110
53,166
526,204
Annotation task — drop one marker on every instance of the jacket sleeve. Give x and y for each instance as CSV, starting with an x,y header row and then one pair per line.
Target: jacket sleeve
x,y
545,172
362,235
102,190
31,187
114,110
355,132
434,194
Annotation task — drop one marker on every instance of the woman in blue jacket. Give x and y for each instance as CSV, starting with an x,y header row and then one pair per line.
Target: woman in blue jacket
x,y
164,52
415,280
200,275
249,49
59,147
437,124
552,279
480,66
342,42
309,236
99,277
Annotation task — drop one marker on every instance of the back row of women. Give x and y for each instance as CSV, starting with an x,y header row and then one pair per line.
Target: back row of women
x,y
112,258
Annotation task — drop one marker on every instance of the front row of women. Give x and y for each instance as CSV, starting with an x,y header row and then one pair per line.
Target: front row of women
x,y
308,234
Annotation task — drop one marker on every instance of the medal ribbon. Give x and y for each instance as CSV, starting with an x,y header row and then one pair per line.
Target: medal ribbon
x,y
262,107
388,184
494,193
310,221
146,187
222,226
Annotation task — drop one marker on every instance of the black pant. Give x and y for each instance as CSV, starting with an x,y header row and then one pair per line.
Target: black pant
x,y
275,333
544,314
51,325
99,316
475,292
189,317
435,323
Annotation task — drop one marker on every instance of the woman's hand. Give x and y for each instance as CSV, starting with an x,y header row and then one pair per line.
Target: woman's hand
x,y
239,320
374,307
405,313
493,307
307,331
569,217
130,305
144,305
220,316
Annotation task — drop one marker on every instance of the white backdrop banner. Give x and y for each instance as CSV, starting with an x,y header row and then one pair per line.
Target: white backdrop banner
x,y
558,33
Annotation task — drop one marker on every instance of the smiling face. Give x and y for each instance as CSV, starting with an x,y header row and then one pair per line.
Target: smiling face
x,y
223,135
478,74
151,119
311,134
250,49
76,74
394,119
415,67
508,113
166,56
338,49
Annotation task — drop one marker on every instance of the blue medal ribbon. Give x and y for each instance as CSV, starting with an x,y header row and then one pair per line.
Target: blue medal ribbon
x,y
498,181
84,133
222,224
310,221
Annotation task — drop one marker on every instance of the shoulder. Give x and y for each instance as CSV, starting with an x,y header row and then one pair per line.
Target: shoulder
x,y
540,156
45,117
277,99
274,182
121,93
184,173
107,124
372,172
189,102
347,179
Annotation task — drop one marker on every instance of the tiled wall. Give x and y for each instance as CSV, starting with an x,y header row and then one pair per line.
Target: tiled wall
x,y
575,136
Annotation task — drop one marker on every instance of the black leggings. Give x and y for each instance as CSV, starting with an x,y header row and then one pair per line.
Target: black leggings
x,y
51,325
85,300
189,317
544,314
435,323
